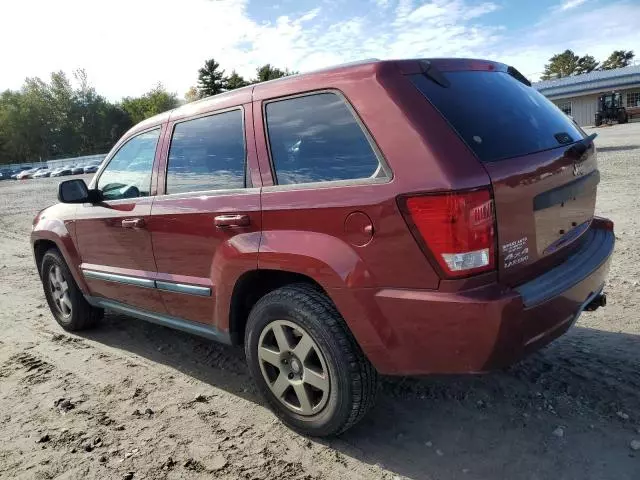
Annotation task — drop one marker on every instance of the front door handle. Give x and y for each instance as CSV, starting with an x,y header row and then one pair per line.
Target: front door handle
x,y
222,221
133,223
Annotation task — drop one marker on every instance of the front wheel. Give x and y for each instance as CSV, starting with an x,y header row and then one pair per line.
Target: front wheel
x,y
66,302
306,362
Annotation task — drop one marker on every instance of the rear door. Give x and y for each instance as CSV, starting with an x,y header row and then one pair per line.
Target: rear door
x,y
206,219
542,166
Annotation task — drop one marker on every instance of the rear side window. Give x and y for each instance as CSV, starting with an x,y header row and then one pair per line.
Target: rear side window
x,y
497,116
316,138
207,154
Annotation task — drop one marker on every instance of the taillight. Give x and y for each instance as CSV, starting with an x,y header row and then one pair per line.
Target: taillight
x,y
457,228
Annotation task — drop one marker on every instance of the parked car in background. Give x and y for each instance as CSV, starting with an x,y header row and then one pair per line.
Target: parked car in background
x,y
28,173
77,170
62,171
9,173
18,171
91,168
42,174
375,220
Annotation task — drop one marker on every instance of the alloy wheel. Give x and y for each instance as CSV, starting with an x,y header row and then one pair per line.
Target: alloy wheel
x,y
293,367
59,288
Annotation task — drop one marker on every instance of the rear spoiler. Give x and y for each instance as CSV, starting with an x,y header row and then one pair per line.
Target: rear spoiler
x,y
518,76
428,69
581,146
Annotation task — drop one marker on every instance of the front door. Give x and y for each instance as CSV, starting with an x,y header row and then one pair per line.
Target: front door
x,y
205,222
113,239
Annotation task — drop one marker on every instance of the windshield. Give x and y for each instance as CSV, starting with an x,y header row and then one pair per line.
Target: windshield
x,y
498,116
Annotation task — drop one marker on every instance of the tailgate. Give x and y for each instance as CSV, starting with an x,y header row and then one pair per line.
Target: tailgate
x,y
543,202
542,166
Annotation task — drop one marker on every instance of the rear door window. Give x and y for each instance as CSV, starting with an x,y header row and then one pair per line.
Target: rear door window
x,y
316,138
498,116
207,153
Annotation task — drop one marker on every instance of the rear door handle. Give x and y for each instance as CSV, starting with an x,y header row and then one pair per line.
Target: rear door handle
x,y
133,223
222,221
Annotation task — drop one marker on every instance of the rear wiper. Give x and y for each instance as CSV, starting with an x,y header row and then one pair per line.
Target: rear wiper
x,y
433,74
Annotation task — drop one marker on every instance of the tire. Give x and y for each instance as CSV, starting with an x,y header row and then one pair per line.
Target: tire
x,y
73,313
622,117
347,382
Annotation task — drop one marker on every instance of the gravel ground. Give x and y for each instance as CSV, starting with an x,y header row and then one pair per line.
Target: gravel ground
x,y
135,400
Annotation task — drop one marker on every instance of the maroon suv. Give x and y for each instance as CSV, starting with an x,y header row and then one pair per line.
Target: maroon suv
x,y
397,217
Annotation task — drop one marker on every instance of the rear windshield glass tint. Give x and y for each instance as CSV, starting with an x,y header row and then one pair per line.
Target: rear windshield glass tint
x,y
498,116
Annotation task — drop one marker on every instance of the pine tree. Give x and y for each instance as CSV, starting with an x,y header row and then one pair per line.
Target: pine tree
x,y
211,79
234,81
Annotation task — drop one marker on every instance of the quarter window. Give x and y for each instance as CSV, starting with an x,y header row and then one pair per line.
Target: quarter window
x,y
207,154
315,138
128,174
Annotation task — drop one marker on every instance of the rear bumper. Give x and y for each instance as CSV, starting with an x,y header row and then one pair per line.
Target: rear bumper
x,y
422,332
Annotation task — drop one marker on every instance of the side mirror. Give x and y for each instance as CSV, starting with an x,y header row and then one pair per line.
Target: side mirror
x,y
76,191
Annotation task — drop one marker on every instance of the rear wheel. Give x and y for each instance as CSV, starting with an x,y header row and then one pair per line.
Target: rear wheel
x,y
306,362
66,302
622,116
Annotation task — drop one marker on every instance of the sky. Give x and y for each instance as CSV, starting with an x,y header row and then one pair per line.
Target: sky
x,y
128,46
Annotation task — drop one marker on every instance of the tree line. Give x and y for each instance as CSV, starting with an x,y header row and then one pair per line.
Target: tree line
x,y
47,120
58,118
568,63
212,80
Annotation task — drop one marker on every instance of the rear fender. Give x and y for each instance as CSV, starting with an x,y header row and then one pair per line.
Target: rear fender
x,y
339,270
329,261
232,259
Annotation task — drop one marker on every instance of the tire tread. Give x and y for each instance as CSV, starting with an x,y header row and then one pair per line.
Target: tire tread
x,y
364,377
86,316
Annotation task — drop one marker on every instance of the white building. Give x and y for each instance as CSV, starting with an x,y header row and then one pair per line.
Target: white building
x,y
578,95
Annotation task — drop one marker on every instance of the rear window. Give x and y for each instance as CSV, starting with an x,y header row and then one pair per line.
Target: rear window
x,y
498,116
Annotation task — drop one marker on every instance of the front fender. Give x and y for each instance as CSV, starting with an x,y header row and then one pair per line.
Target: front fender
x,y
326,259
58,232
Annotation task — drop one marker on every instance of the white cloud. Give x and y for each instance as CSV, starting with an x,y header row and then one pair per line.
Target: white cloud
x,y
127,46
569,4
615,24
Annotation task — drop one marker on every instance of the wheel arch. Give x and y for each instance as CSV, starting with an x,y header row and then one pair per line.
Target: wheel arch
x,y
40,247
251,287
44,239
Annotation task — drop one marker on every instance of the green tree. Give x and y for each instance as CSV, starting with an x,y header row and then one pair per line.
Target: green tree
x,y
48,120
269,72
234,81
211,80
191,95
156,101
561,65
618,59
586,64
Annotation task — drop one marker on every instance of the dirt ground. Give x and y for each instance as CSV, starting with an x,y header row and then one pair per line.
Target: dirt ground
x,y
135,400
